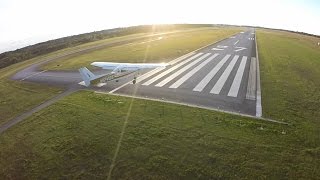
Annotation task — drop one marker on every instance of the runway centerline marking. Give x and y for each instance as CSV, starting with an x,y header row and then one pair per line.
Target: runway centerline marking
x,y
219,48
170,70
34,74
192,72
233,92
251,88
236,42
174,75
239,49
223,78
204,82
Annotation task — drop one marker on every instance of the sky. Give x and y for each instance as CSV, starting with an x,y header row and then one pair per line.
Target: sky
x,y
26,22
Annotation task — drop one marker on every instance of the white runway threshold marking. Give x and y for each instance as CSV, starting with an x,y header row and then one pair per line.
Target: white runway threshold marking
x,y
174,75
251,88
233,92
222,80
204,82
192,72
170,70
181,58
150,73
155,71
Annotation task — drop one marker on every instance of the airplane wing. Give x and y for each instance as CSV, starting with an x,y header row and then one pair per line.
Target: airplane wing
x,y
127,66
89,78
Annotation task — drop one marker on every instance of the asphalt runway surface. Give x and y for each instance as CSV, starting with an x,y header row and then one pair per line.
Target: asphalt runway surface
x,y
222,76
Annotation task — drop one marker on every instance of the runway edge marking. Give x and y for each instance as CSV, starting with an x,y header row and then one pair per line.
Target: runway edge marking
x,y
252,80
258,102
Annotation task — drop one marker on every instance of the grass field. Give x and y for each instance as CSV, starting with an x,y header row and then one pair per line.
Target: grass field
x,y
18,97
77,138
290,73
152,50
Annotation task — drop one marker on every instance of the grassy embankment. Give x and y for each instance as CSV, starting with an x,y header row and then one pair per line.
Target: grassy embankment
x,y
157,50
77,137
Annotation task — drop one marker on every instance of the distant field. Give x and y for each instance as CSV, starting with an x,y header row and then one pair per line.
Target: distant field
x,y
152,50
77,138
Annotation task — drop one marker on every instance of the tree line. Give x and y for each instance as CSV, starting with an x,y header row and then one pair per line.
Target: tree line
x,y
22,54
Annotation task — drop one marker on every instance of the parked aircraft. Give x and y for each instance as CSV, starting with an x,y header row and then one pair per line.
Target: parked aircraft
x,y
118,70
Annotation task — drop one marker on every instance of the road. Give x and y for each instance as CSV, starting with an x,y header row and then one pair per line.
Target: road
x,y
224,76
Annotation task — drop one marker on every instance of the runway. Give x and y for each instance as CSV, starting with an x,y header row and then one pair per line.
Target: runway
x,y
224,76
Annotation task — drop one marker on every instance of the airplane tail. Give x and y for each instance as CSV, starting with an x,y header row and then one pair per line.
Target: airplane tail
x,y
87,76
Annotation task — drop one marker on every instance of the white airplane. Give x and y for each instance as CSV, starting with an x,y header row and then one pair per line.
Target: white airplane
x,y
118,70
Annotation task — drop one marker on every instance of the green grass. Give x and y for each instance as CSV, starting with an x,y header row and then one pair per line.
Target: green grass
x,y
290,73
158,50
77,137
17,97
